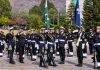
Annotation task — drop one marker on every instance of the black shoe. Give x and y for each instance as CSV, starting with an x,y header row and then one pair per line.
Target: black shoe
x,y
97,68
50,64
54,65
21,61
84,57
33,59
79,65
45,66
12,62
69,55
61,62
40,65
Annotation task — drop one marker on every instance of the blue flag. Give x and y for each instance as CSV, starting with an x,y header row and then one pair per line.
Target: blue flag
x,y
46,16
77,14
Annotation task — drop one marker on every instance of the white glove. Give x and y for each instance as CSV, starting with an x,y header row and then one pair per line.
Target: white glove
x,y
37,46
46,46
56,40
83,46
65,46
53,55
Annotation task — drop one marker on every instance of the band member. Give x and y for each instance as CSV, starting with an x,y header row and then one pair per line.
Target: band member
x,y
97,45
33,47
80,36
56,41
42,43
2,40
17,43
28,41
70,39
62,43
84,42
51,47
90,41
21,47
11,44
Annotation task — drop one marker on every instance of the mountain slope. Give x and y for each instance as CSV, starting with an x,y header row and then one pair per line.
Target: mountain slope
x,y
25,5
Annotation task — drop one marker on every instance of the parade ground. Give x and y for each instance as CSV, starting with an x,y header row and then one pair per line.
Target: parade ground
x,y
34,65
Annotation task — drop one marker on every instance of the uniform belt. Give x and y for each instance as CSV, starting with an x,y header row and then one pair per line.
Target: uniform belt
x,y
70,40
97,43
41,41
33,41
61,40
50,43
80,40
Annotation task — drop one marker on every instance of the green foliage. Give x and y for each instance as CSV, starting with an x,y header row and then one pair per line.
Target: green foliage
x,y
39,11
4,21
5,8
34,21
91,14
96,11
70,17
53,16
35,10
42,5
88,15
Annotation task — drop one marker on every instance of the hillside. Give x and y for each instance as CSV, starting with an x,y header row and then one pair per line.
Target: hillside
x,y
25,5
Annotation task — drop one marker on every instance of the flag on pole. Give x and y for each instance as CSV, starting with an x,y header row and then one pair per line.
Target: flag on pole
x,y
77,14
46,15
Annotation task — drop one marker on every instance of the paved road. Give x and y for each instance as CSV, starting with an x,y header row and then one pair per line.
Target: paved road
x,y
33,65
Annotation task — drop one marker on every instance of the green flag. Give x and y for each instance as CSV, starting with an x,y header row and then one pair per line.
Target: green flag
x,y
46,15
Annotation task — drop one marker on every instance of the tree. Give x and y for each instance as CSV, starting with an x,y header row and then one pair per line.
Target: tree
x,y
70,16
88,22
36,10
39,11
4,21
96,12
53,16
5,8
35,22
42,5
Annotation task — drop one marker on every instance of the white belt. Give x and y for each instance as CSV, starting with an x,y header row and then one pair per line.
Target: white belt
x,y
97,43
61,40
33,41
70,40
41,41
80,40
50,43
